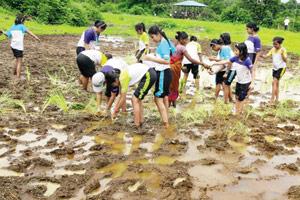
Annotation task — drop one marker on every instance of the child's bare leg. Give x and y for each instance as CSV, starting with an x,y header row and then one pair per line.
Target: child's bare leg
x,y
85,82
18,67
218,89
141,112
274,92
226,93
161,105
136,111
239,107
277,90
197,84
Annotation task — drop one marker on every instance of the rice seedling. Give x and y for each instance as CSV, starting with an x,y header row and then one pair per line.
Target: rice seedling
x,y
237,128
57,99
28,74
221,110
7,102
198,114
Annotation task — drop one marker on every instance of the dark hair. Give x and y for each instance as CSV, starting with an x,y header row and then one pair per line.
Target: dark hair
x,y
253,26
108,56
225,37
193,38
214,42
20,19
181,35
100,24
242,47
140,26
154,30
112,76
278,40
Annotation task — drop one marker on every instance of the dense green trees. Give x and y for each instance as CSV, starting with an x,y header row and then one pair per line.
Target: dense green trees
x,y
270,13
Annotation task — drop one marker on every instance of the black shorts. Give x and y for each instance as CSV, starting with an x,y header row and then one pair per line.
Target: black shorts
x,y
86,66
145,84
139,54
252,57
79,50
241,91
17,53
162,85
279,73
191,67
220,77
230,77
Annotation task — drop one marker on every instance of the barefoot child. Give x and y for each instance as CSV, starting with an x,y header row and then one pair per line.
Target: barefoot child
x,y
279,56
107,76
16,35
133,74
143,41
165,49
242,64
224,53
87,62
176,64
194,50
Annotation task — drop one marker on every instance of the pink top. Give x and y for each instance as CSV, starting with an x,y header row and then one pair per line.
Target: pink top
x,y
179,53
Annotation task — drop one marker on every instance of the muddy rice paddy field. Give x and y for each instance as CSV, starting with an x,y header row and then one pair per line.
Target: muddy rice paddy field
x,y
54,146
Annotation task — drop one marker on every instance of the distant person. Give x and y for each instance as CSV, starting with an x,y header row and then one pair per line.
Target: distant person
x,y
286,23
143,41
243,66
253,43
16,35
87,61
194,50
90,37
279,56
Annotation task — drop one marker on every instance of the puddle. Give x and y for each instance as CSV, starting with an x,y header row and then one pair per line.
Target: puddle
x,y
116,169
61,172
58,126
257,189
51,187
7,173
104,185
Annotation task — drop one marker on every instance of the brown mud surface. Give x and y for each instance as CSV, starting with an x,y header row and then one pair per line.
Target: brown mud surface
x,y
207,153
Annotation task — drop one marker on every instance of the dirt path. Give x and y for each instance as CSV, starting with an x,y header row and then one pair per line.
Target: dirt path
x,y
206,154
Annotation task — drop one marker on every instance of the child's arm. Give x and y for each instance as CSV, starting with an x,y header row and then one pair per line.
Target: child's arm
x,y
284,55
155,59
111,100
267,55
33,35
98,100
120,102
222,62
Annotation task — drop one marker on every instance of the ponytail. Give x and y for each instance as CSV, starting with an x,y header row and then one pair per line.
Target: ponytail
x,y
154,30
20,19
181,35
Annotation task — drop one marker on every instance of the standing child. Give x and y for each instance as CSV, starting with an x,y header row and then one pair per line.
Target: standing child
x,y
242,64
253,43
16,35
194,50
143,41
224,53
176,64
165,49
279,55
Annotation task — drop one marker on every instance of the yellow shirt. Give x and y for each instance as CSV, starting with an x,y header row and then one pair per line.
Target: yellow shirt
x,y
144,40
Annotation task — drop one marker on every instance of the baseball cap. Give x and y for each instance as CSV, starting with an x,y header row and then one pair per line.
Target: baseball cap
x,y
98,82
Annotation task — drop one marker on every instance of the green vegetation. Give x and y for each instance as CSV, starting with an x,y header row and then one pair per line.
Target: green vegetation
x,y
7,103
123,25
56,98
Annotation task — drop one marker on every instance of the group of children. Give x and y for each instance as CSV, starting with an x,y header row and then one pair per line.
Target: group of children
x,y
163,67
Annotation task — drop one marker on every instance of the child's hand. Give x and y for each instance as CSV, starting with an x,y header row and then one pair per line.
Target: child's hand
x,y
212,58
1,32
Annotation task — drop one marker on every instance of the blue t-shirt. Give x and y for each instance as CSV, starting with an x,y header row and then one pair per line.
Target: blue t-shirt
x,y
16,34
225,53
165,49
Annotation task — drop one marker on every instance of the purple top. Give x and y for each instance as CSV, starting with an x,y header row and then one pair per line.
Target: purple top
x,y
90,35
247,63
105,70
253,44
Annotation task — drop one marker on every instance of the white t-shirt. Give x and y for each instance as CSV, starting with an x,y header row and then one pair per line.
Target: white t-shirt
x,y
117,63
16,34
286,22
81,41
94,55
194,49
278,61
132,75
243,69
